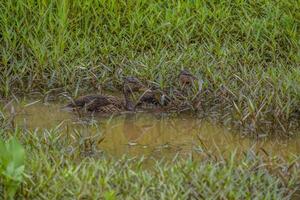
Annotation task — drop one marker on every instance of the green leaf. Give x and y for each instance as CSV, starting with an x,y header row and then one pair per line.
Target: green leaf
x,y
12,159
110,195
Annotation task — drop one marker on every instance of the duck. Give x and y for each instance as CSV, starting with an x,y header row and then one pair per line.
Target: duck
x,y
108,103
186,78
153,97
183,99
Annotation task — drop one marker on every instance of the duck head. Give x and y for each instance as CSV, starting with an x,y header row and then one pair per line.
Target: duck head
x,y
186,78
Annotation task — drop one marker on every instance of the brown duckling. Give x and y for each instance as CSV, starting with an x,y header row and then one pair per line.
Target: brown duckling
x,y
153,97
183,98
107,103
186,78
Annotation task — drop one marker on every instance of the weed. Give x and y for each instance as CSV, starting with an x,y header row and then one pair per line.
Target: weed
x,y
71,165
12,165
246,53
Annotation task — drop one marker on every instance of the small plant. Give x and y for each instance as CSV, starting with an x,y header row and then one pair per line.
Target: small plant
x,y
12,157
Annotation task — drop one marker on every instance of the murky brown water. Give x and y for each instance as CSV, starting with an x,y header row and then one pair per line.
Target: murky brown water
x,y
153,134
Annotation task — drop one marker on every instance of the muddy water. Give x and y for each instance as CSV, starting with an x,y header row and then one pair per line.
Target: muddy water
x,y
152,134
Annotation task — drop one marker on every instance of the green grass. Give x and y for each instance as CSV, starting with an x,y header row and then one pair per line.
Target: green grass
x,y
58,167
247,53
12,157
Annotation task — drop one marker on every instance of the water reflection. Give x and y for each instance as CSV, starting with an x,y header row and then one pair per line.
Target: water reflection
x,y
153,134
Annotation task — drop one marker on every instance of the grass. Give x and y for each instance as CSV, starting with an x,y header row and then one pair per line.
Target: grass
x,y
12,159
73,166
58,168
247,53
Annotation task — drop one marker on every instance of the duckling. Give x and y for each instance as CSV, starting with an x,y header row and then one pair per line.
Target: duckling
x,y
181,98
178,101
153,97
107,103
186,78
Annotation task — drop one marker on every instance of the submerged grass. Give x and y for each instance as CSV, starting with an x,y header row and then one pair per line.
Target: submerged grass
x,y
247,53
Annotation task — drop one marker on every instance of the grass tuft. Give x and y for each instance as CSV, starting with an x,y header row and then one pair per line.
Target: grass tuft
x,y
247,53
